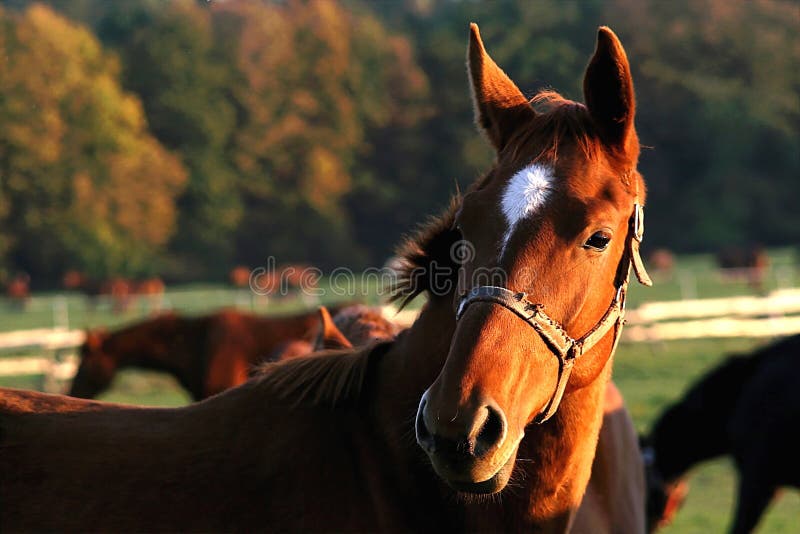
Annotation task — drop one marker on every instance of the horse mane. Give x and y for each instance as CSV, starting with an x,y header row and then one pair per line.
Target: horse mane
x,y
431,245
327,377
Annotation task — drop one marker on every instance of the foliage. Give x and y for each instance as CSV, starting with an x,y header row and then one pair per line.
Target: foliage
x,y
320,131
82,183
306,125
718,89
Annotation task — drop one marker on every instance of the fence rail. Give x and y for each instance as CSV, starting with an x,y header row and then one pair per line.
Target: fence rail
x,y
776,314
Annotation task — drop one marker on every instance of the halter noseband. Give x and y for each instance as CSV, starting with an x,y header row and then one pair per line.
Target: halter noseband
x,y
567,349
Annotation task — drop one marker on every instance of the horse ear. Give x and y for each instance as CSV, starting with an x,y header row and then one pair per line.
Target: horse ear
x,y
608,90
330,336
500,107
94,338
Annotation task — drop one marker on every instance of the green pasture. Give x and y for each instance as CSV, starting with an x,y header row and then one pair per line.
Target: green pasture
x,y
650,375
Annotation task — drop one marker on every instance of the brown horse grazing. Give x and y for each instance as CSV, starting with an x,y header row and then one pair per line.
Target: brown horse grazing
x,y
206,354
507,400
748,407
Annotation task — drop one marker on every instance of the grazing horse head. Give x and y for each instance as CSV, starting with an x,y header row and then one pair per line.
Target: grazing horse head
x,y
97,367
549,236
664,497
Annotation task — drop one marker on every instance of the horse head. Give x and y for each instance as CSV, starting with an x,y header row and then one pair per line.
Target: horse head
x,y
97,367
548,238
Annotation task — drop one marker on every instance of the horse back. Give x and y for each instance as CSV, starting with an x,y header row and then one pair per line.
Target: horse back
x,y
74,465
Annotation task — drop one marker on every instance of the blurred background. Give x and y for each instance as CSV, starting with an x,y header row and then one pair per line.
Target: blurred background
x,y
152,153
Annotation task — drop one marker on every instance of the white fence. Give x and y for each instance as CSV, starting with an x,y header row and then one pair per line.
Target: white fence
x,y
777,314
773,315
49,362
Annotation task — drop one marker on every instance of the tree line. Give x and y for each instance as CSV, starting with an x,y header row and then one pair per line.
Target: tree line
x,y
184,137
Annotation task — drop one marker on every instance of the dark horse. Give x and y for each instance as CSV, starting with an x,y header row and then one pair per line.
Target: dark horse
x,y
748,407
206,354
417,433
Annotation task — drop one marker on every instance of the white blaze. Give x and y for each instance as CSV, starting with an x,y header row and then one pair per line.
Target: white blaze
x,y
525,194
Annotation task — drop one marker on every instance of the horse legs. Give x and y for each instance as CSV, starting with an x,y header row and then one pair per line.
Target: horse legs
x,y
754,495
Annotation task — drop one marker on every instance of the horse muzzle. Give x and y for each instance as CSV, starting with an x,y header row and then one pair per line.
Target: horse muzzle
x,y
469,451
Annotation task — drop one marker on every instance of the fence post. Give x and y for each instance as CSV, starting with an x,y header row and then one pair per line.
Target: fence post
x,y
60,312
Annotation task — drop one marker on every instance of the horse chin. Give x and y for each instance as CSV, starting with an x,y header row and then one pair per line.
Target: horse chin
x,y
479,485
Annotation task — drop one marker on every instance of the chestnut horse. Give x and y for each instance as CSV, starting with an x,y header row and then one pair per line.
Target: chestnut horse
x,y
206,354
615,496
507,401
748,407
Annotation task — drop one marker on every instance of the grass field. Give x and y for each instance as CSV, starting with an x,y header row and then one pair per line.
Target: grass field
x,y
650,375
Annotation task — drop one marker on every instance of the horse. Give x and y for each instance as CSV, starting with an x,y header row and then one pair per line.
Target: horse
x,y
239,276
615,496
206,354
18,290
354,325
749,263
747,407
152,290
485,418
662,261
117,289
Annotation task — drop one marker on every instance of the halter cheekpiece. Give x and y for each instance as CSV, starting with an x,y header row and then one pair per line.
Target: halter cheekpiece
x,y
565,348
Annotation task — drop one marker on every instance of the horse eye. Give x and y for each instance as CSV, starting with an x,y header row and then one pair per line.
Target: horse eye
x,y
598,241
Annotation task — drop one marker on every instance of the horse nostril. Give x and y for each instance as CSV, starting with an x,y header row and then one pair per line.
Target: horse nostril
x,y
424,437
493,431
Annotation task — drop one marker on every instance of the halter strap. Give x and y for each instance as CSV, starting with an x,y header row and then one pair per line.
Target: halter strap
x,y
567,349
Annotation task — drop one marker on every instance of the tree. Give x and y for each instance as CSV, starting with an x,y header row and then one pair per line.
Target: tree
x,y
83,183
173,63
718,88
315,80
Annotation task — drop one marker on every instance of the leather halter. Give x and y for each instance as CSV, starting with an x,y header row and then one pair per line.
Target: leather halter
x,y
567,349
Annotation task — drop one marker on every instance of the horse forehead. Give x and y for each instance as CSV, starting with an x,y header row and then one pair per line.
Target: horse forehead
x,y
524,195
528,190
531,188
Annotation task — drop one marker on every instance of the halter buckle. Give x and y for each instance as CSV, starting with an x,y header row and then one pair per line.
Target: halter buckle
x,y
619,295
638,222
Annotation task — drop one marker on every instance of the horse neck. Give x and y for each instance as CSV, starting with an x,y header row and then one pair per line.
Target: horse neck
x,y
169,349
697,427
417,357
555,458
268,332
404,373
553,467
686,436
